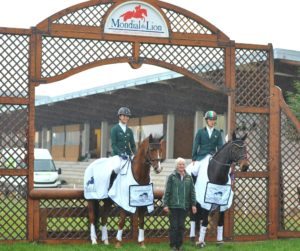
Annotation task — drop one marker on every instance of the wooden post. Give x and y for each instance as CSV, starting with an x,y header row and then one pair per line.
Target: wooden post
x,y
36,220
31,131
274,143
230,84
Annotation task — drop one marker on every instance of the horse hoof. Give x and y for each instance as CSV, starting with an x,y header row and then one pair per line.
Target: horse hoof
x,y
192,239
118,244
200,244
142,245
219,243
106,242
94,242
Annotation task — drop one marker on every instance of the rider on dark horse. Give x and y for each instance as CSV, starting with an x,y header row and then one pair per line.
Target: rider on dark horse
x,y
207,141
122,140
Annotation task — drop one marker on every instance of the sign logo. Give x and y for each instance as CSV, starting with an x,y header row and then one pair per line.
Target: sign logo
x,y
136,18
138,13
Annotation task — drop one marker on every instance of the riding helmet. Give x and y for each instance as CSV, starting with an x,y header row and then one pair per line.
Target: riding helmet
x,y
124,111
210,115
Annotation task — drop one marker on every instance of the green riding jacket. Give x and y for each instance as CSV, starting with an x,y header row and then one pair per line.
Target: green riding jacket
x,y
179,193
122,142
203,144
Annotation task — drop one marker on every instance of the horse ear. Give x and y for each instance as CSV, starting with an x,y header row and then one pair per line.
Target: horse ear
x,y
233,136
245,136
150,138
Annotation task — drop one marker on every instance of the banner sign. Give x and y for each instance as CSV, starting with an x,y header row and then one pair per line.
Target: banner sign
x,y
141,195
217,194
136,18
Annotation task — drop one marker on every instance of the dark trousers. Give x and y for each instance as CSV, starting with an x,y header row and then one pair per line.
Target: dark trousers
x,y
177,219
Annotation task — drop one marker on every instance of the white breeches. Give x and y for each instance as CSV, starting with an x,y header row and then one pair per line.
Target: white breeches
x,y
194,168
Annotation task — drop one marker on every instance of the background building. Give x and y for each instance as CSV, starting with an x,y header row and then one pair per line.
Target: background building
x,y
76,126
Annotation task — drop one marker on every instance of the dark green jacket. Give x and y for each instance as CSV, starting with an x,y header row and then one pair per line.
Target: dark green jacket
x,y
121,142
204,145
179,193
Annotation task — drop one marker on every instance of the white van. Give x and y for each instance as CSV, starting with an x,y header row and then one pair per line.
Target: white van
x,y
45,172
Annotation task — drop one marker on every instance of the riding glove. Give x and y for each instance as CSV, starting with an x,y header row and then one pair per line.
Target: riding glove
x,y
123,156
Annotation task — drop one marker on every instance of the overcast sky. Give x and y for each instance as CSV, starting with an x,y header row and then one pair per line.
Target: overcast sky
x,y
254,22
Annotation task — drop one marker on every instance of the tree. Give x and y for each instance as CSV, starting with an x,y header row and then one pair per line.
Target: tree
x,y
293,100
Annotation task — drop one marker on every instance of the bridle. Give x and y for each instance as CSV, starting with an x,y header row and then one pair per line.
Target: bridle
x,y
242,156
232,159
149,160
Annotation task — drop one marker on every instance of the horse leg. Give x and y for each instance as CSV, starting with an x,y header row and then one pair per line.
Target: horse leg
x,y
203,228
141,237
120,228
106,207
92,216
220,228
195,222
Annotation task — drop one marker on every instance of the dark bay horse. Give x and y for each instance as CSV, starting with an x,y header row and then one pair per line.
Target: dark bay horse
x,y
233,152
149,155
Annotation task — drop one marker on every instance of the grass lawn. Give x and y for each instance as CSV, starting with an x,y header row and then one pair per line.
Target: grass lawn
x,y
274,245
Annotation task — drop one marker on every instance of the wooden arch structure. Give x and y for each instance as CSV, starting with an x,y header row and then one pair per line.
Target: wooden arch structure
x,y
73,40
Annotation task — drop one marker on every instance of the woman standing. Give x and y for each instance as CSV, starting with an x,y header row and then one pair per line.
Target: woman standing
x,y
179,197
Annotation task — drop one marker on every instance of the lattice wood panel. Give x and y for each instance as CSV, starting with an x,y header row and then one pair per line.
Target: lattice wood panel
x,y
13,208
184,24
206,62
60,55
13,136
289,176
157,223
250,206
256,125
89,16
252,78
65,219
14,63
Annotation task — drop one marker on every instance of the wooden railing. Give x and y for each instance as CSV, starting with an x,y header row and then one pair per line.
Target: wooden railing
x,y
61,215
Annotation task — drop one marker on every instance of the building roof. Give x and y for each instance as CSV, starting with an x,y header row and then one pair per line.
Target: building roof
x,y
43,100
287,54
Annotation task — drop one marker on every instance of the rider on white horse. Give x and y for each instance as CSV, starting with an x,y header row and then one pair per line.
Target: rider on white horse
x,y
207,141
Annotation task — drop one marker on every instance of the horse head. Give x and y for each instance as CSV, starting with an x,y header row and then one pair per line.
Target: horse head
x,y
239,152
154,153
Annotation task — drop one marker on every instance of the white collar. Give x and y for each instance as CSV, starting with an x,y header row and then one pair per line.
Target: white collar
x,y
209,130
123,126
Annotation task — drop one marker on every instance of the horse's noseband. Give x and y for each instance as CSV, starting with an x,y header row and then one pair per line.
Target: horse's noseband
x,y
241,156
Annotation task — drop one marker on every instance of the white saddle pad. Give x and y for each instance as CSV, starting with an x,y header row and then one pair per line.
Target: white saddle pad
x,y
208,194
120,191
96,179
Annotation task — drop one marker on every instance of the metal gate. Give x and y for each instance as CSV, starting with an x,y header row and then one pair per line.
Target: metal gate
x,y
266,204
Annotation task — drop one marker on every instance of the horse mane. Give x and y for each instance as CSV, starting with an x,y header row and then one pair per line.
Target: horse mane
x,y
227,143
222,147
